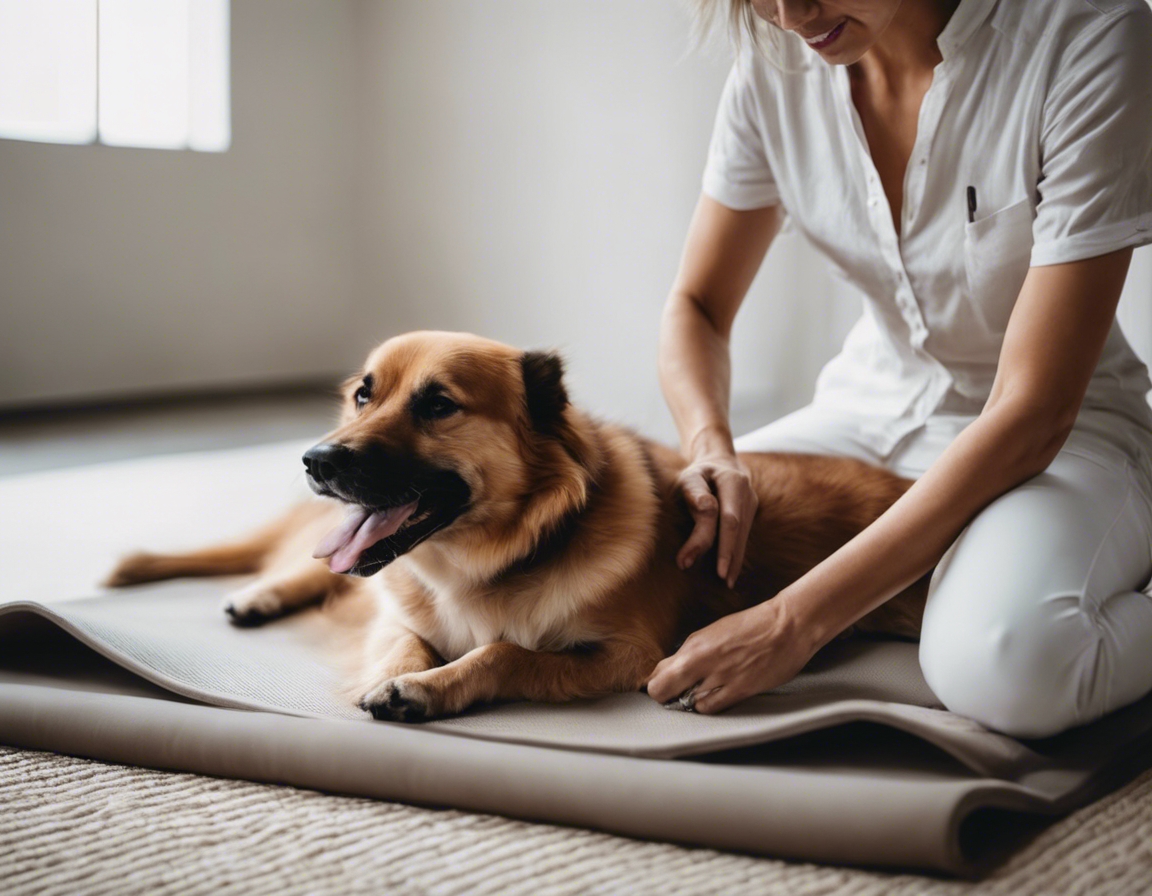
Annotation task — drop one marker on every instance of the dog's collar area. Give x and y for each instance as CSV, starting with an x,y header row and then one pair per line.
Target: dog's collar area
x,y
555,539
552,543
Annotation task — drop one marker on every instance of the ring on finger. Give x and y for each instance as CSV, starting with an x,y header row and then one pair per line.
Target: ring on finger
x,y
686,702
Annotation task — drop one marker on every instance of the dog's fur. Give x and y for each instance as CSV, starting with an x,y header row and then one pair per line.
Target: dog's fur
x,y
541,565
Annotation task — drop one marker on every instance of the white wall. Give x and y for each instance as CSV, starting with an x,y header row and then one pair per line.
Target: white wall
x,y
529,172
129,270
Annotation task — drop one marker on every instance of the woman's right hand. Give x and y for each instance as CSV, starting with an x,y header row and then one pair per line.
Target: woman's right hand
x,y
718,491
722,254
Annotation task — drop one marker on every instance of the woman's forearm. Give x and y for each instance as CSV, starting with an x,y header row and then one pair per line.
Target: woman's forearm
x,y
695,375
999,450
722,253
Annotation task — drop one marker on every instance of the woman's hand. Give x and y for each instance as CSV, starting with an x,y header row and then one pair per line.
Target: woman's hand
x,y
718,490
722,254
736,657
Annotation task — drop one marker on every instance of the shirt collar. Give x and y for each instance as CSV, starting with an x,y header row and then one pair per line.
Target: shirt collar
x,y
969,16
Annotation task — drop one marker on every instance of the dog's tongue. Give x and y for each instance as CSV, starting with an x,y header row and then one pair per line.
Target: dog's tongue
x,y
360,530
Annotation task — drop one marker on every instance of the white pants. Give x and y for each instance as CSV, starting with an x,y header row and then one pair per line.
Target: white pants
x,y
1035,620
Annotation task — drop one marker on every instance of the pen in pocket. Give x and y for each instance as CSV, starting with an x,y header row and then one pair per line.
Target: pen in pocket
x,y
971,204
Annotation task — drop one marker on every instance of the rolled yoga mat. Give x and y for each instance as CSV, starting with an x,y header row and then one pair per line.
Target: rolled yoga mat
x,y
852,762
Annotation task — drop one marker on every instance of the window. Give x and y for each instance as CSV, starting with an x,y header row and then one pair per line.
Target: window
x,y
151,73
48,70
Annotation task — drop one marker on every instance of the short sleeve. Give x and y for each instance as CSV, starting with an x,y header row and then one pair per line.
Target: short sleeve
x,y
1095,189
737,173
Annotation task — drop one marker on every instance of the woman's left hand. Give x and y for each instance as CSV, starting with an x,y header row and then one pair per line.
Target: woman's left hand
x,y
734,658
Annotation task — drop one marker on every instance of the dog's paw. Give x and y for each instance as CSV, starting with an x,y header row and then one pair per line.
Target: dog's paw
x,y
253,605
400,700
135,569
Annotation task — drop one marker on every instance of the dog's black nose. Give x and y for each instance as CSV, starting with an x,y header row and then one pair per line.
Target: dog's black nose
x,y
327,459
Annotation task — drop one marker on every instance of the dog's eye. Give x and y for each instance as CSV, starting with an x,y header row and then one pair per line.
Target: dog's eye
x,y
362,396
436,406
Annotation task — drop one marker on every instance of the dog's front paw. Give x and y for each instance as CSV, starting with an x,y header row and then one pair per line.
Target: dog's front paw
x,y
253,605
400,700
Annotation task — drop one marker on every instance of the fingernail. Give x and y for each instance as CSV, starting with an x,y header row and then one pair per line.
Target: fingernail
x,y
722,569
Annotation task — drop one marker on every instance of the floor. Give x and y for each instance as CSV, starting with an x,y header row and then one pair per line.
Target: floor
x,y
84,820
52,438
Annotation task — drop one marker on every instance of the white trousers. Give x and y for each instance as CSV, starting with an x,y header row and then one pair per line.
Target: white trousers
x,y
1036,618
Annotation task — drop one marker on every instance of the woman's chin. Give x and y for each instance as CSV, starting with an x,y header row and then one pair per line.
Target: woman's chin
x,y
844,57
846,49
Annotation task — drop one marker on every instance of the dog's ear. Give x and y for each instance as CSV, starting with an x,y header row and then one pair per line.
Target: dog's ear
x,y
544,389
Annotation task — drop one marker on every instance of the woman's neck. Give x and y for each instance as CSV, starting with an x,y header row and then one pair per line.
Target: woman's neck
x,y
907,50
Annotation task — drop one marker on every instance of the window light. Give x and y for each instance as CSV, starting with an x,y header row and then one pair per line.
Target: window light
x,y
148,73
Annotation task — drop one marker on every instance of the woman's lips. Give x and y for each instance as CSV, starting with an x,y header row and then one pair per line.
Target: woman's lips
x,y
820,41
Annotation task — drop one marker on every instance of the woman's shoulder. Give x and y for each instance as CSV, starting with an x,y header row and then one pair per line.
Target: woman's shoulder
x,y
1100,48
1058,26
1059,14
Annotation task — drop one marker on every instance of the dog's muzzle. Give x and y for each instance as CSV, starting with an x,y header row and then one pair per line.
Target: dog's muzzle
x,y
396,502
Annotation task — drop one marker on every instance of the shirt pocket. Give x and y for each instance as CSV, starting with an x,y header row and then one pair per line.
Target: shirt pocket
x,y
997,254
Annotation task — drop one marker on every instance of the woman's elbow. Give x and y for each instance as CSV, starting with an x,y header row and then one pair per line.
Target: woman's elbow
x,y
1036,433
1056,434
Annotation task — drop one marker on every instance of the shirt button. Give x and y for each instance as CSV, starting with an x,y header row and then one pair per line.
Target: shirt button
x,y
872,201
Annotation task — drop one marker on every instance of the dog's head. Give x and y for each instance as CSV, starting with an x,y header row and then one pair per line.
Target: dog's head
x,y
440,434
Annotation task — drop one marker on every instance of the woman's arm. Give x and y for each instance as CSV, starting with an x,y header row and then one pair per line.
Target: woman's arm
x,y
1052,345
722,253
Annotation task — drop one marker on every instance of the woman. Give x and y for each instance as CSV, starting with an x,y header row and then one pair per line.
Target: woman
x,y
982,170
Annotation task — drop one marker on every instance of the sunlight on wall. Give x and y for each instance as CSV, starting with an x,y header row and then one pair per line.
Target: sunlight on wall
x,y
48,70
147,73
164,73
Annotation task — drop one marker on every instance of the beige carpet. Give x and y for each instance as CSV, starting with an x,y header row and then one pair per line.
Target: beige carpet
x,y
71,826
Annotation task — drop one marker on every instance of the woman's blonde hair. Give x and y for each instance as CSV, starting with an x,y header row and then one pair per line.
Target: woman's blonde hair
x,y
742,26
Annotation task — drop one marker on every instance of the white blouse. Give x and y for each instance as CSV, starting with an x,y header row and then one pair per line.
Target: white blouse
x,y
1043,108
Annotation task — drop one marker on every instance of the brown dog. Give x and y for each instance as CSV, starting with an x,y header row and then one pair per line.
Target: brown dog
x,y
524,550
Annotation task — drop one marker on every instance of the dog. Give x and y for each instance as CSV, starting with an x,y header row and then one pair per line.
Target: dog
x,y
515,547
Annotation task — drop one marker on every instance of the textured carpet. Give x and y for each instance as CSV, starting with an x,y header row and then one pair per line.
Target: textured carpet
x,y
71,826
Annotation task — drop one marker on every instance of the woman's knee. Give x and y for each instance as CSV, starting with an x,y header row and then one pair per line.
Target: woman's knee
x,y
1026,674
1013,635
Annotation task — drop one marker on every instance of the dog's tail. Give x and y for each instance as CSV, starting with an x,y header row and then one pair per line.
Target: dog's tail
x,y
247,555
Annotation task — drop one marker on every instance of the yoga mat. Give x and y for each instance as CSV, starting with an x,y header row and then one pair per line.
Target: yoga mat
x,y
853,762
